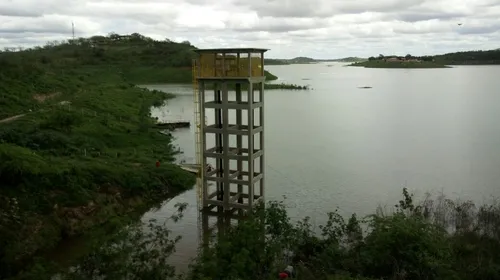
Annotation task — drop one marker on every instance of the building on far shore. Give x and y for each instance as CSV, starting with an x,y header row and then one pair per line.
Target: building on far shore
x,y
401,59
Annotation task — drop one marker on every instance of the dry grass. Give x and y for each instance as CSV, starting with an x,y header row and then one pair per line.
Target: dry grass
x,y
43,97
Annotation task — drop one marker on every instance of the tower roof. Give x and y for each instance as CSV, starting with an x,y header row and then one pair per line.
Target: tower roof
x,y
232,50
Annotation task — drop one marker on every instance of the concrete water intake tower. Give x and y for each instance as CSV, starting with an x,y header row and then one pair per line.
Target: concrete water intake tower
x,y
229,116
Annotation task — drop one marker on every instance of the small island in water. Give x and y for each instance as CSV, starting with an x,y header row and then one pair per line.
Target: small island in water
x,y
487,57
400,62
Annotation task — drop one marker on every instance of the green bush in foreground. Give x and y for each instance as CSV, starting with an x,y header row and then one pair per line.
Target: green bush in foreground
x,y
413,242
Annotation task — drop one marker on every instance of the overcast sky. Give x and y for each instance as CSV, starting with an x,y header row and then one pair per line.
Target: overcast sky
x,y
290,28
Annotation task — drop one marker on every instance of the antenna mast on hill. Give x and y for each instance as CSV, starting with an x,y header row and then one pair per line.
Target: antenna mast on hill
x,y
73,30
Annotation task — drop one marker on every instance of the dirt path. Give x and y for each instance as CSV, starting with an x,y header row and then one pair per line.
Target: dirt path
x,y
12,118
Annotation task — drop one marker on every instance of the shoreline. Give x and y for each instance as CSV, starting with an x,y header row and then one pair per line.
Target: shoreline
x,y
72,248
398,65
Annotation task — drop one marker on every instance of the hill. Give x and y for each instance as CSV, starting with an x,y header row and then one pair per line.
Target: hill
x,y
349,59
81,149
488,57
302,60
52,68
131,58
296,60
397,63
307,60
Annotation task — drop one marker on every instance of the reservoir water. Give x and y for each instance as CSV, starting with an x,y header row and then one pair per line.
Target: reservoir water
x,y
431,130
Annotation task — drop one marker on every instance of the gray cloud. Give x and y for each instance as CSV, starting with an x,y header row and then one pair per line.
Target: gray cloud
x,y
489,3
44,24
415,16
323,8
321,28
487,29
355,7
33,8
287,9
278,25
17,12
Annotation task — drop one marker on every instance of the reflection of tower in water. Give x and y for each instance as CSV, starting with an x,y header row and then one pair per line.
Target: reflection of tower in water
x,y
229,150
214,223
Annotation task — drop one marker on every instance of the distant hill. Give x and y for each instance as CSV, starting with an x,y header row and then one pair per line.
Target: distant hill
x,y
308,60
351,59
345,59
396,63
276,61
302,60
479,57
296,60
488,57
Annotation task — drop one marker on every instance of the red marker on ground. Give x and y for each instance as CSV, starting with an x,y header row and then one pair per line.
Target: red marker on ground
x,y
283,275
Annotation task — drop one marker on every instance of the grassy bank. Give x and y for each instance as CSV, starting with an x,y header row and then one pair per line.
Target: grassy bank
x,y
82,152
398,64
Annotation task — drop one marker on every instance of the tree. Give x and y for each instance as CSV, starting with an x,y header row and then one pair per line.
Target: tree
x,y
113,36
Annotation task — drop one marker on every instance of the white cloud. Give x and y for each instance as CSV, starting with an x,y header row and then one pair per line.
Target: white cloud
x,y
316,28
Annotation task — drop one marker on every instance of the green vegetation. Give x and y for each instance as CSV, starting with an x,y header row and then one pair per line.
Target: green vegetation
x,y
132,58
470,58
397,62
269,76
297,60
286,86
434,239
274,61
437,61
308,60
84,151
350,59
